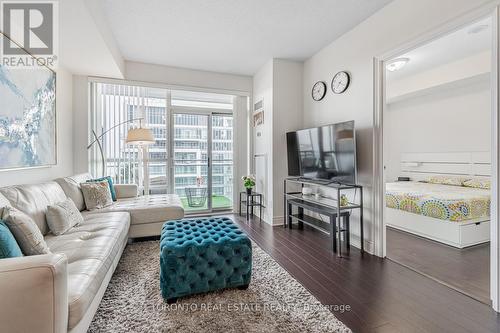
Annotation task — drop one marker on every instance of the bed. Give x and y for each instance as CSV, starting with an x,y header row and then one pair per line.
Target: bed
x,y
455,215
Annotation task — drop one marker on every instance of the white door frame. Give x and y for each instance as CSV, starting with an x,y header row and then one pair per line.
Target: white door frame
x,y
490,9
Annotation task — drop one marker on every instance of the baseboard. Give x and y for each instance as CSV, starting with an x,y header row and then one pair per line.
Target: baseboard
x,y
369,246
278,221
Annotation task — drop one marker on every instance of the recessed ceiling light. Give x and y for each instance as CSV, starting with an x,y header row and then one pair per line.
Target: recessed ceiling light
x,y
477,29
397,64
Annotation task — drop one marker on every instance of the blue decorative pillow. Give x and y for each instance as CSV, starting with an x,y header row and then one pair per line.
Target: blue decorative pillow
x,y
110,182
8,244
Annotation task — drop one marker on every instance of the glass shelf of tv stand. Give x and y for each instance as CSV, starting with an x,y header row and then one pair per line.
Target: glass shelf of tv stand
x,y
332,185
329,202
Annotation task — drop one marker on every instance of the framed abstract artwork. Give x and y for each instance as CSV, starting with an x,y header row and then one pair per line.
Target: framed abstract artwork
x,y
27,116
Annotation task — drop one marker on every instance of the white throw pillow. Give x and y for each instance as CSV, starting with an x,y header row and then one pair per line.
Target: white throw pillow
x,y
63,216
97,194
25,231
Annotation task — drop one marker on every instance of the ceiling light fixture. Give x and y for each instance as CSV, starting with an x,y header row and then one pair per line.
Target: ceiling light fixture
x,y
397,64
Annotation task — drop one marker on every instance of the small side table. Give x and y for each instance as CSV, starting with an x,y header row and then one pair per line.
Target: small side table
x,y
250,203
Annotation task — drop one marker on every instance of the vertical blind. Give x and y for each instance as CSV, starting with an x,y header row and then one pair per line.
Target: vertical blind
x,y
114,105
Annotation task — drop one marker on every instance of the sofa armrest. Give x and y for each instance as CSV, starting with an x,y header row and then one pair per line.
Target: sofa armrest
x,y
34,294
125,191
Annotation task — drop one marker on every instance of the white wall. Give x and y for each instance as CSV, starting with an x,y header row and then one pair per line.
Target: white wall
x,y
399,22
263,136
451,120
456,71
135,71
279,84
287,116
64,116
80,123
442,109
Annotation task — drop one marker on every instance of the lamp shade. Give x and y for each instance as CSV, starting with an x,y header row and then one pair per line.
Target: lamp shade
x,y
140,136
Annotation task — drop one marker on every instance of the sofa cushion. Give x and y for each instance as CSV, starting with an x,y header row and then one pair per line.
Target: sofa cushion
x,y
62,216
25,231
150,208
33,200
91,248
3,203
71,186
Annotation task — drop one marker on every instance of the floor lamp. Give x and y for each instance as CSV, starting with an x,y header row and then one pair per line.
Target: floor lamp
x,y
138,136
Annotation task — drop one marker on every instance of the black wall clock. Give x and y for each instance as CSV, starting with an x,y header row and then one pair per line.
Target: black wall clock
x,y
340,82
318,91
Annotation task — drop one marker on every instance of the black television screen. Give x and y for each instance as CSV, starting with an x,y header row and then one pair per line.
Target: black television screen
x,y
327,152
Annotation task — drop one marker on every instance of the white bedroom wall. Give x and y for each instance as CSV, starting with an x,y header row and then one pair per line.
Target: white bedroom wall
x,y
64,116
399,22
455,120
443,109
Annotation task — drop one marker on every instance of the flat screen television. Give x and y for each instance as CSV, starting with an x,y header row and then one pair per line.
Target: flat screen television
x,y
323,153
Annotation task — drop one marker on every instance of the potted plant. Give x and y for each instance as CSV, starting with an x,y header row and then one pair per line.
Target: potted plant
x,y
249,183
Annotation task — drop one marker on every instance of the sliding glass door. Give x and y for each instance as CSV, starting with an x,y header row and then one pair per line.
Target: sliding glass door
x,y
203,161
191,161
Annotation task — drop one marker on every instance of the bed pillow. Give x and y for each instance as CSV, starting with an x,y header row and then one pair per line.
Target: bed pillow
x,y
110,182
63,216
484,183
97,194
8,244
25,231
447,180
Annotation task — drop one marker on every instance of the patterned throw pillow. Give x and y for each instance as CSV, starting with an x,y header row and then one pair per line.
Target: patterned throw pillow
x,y
8,245
447,180
110,182
484,183
63,216
25,231
97,195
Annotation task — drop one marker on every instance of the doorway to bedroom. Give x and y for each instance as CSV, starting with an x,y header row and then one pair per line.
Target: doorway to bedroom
x,y
437,158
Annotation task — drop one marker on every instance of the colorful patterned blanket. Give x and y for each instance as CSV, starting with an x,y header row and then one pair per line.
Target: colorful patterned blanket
x,y
445,202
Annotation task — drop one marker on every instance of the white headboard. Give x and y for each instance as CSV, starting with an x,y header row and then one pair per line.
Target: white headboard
x,y
418,166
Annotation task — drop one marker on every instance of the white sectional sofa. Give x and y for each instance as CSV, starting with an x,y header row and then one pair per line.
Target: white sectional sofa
x,y
61,291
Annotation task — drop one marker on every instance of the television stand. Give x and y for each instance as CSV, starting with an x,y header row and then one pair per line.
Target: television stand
x,y
338,216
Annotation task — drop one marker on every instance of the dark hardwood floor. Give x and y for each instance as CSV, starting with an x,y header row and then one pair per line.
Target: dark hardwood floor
x,y
383,295
467,270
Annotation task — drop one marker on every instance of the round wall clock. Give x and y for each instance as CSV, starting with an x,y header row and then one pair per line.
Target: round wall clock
x,y
340,82
318,91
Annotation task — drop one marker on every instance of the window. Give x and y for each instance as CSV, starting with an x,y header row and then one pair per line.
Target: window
x,y
198,120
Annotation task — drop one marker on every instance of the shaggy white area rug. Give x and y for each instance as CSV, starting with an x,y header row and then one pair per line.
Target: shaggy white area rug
x,y
274,302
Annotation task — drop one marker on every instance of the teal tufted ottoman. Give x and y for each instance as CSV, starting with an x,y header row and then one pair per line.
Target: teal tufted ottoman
x,y
201,255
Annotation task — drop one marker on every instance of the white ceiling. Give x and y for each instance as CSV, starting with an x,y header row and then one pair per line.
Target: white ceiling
x,y
84,46
230,36
449,48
